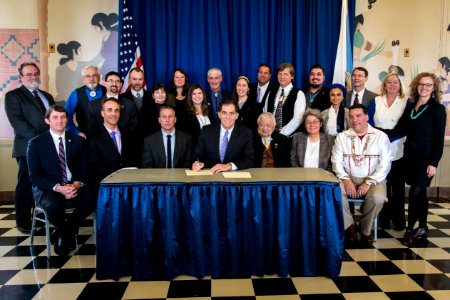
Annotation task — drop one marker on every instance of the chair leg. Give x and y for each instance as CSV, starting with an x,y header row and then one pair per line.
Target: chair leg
x,y
33,227
375,229
47,237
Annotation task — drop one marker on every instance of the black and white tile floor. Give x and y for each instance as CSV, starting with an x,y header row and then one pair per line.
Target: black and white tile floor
x,y
386,270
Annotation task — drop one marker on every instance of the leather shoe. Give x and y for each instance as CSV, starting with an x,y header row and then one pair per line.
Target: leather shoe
x,y
60,247
407,238
24,230
351,234
72,243
420,234
368,239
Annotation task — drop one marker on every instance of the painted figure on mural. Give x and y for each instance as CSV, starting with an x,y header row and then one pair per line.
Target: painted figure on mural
x,y
107,26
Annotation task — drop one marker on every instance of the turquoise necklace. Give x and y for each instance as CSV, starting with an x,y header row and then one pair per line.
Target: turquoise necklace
x,y
416,116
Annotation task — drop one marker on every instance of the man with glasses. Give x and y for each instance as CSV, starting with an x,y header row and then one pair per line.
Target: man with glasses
x,y
359,94
77,103
129,113
25,108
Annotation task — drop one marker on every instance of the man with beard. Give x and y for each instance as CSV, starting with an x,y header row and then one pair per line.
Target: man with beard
x,y
316,93
77,103
25,108
128,117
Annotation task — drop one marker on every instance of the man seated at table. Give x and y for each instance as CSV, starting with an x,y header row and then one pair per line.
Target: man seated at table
x,y
226,146
168,148
361,159
57,164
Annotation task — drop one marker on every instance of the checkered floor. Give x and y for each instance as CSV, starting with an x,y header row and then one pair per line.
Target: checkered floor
x,y
386,270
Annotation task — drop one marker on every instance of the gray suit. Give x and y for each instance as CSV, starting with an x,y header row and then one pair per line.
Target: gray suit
x,y
298,150
154,154
367,98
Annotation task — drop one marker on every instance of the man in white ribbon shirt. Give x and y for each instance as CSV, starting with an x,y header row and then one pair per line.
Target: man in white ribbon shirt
x,y
361,159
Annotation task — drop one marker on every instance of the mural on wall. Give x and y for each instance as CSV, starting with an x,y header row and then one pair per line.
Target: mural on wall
x,y
383,43
16,47
68,74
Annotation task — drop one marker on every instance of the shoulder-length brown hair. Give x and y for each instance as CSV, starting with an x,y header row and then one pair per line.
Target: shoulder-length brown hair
x,y
437,87
190,104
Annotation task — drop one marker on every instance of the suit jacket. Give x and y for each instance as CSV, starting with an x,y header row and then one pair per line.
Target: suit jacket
x,y
299,142
25,116
239,150
43,162
191,126
154,154
280,146
254,91
249,113
146,114
104,158
367,98
128,114
225,95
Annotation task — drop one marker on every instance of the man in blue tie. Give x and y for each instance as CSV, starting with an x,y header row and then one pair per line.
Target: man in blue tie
x,y
57,161
224,146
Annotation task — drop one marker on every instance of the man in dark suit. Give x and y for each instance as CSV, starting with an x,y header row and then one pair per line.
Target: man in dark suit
x,y
215,95
25,108
316,93
128,112
110,147
272,149
168,148
359,94
260,90
225,146
57,163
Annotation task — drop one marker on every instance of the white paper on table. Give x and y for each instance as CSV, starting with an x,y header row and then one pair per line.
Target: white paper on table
x,y
199,173
234,174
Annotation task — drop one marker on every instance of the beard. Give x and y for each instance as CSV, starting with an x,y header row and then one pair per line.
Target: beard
x,y
314,85
34,85
92,85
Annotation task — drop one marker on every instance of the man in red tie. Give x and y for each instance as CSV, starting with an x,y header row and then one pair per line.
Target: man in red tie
x,y
57,162
359,94
25,107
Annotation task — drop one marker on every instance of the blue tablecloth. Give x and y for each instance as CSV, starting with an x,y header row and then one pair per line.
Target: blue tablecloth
x,y
162,230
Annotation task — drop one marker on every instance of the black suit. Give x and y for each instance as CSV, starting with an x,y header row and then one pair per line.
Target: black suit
x,y
128,114
254,92
154,153
214,105
145,114
27,119
104,158
281,149
45,174
239,150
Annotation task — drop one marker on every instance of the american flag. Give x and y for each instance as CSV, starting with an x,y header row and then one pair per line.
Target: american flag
x,y
129,52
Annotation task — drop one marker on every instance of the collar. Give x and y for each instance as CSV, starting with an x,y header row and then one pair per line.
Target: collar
x,y
56,137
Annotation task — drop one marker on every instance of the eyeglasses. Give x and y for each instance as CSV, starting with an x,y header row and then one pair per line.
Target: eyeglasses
x,y
32,75
427,85
111,81
312,122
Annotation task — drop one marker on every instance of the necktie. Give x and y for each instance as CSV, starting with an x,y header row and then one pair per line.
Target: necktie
x,y
39,101
169,153
258,95
113,136
266,143
62,161
223,147
138,100
279,112
356,99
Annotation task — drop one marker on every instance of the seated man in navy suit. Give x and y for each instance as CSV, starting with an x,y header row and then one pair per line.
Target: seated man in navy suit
x,y
224,146
58,171
168,148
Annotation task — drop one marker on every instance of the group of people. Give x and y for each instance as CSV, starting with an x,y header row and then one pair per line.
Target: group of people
x,y
64,152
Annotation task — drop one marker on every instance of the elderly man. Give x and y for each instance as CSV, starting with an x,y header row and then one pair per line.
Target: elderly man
x,y
287,103
78,102
168,148
271,148
215,95
359,94
361,159
25,108
259,91
224,146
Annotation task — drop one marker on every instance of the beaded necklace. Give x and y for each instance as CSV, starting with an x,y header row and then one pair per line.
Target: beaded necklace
x,y
358,159
418,114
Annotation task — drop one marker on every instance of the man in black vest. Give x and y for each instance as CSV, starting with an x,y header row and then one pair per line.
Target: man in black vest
x,y
287,103
77,103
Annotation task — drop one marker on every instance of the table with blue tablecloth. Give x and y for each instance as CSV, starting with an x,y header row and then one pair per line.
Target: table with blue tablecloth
x,y
161,223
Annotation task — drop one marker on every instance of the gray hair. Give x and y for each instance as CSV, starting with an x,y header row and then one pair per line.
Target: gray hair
x,y
312,112
267,115
90,67
214,70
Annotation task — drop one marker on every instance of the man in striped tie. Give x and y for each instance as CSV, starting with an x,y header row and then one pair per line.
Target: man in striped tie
x,y
58,172
226,146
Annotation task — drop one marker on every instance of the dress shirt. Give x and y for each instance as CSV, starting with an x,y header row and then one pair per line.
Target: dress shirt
x,y
312,154
360,96
263,90
331,126
222,133
269,140
172,143
43,98
118,138
55,138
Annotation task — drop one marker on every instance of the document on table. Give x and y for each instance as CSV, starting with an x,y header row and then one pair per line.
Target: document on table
x,y
199,173
235,175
